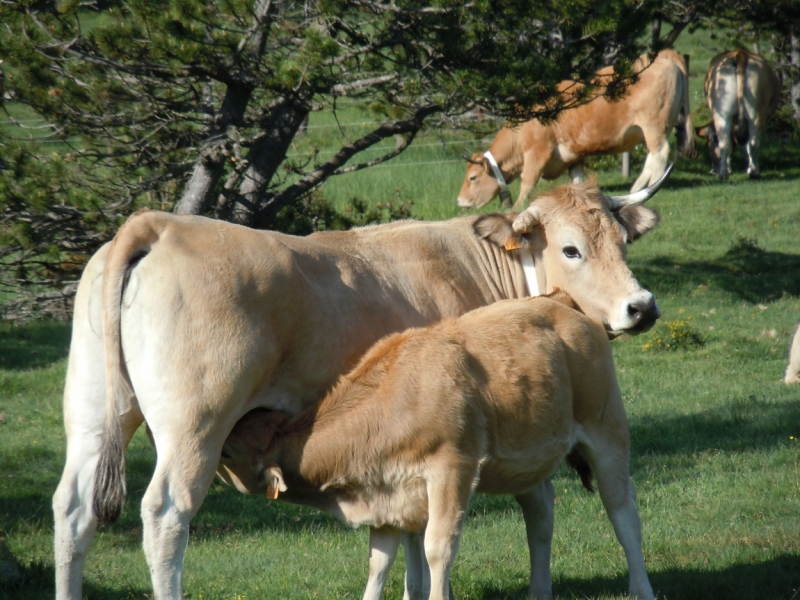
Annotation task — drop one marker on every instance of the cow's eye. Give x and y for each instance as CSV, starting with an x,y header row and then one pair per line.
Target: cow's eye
x,y
473,177
571,252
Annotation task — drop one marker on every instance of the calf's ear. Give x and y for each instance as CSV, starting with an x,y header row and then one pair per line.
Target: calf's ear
x,y
637,220
275,483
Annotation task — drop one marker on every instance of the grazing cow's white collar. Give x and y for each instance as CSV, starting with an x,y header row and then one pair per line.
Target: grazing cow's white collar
x,y
505,195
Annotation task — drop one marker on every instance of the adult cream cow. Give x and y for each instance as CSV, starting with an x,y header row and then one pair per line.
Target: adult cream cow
x,y
190,323
647,113
491,402
742,92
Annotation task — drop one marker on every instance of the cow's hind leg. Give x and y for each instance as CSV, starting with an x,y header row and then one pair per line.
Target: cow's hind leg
x,y
184,471
383,544
84,416
537,510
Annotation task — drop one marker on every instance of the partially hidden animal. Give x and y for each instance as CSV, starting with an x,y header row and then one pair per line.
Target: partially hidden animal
x,y
742,92
490,402
646,113
793,369
189,323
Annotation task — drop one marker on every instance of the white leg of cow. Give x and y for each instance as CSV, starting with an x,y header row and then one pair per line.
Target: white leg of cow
x,y
179,485
418,577
751,149
383,544
537,510
723,127
654,166
84,415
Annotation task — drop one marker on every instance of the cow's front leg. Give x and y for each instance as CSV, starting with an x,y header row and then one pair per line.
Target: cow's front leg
x,y
537,510
532,168
383,544
418,576
184,470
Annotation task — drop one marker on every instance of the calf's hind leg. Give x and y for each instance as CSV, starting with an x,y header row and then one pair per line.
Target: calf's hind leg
x,y
537,510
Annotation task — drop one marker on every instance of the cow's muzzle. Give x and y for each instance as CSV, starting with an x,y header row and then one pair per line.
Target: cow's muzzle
x,y
643,313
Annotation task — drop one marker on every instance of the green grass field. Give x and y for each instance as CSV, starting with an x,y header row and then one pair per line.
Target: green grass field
x,y
715,432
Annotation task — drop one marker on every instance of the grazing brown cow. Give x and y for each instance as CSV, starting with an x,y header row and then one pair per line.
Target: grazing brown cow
x,y
793,370
190,323
742,92
491,402
646,113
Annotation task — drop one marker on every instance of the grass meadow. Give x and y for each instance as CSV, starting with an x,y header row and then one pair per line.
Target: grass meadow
x,y
715,432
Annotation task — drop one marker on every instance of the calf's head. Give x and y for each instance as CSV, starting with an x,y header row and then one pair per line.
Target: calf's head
x,y
246,462
578,237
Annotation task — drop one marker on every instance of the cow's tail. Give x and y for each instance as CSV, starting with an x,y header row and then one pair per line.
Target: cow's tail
x,y
742,134
578,463
684,129
132,242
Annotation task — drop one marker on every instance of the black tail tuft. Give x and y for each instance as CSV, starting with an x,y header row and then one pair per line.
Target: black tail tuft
x,y
109,479
577,462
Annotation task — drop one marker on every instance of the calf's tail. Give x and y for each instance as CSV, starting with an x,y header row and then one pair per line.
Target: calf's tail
x,y
131,244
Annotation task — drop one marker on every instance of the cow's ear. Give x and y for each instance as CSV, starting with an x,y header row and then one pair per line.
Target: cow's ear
x,y
637,220
496,228
527,220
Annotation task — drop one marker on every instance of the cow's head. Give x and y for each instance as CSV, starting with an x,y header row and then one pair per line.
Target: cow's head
x,y
709,133
480,185
246,462
579,238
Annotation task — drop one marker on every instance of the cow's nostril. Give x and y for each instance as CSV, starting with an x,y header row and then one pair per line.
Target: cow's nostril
x,y
634,312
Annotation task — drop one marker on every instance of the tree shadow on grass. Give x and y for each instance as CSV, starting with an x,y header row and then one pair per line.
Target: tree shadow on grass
x,y
34,345
746,270
744,424
776,579
38,582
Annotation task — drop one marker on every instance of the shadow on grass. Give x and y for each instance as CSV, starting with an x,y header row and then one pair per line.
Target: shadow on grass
x,y
776,579
38,582
745,270
34,345
746,423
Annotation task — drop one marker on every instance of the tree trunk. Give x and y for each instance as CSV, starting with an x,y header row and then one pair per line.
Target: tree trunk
x,y
794,60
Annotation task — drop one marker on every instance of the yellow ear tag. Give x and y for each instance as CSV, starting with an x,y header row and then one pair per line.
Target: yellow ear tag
x,y
513,243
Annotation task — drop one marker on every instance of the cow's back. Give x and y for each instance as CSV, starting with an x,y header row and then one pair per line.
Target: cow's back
x,y
605,126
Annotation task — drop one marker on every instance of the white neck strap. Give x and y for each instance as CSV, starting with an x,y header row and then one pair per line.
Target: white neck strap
x,y
505,195
529,267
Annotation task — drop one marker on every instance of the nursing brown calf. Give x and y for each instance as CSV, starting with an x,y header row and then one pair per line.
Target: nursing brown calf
x,y
647,113
491,402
